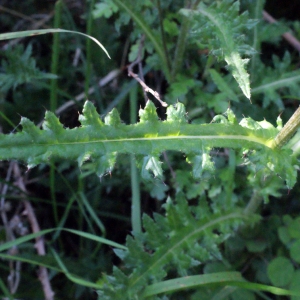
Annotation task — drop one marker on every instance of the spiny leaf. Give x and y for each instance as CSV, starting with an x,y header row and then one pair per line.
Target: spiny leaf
x,y
223,21
100,143
29,127
222,85
52,123
148,114
201,162
179,240
105,164
15,60
113,118
177,113
151,163
275,81
90,116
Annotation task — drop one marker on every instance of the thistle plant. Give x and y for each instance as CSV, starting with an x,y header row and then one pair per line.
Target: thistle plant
x,y
204,210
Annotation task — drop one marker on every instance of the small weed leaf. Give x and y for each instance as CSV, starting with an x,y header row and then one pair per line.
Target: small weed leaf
x,y
280,271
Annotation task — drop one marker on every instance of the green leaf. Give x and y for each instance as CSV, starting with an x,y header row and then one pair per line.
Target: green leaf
x,y
294,286
148,114
182,239
18,67
223,86
295,251
176,113
256,245
100,143
113,118
105,9
90,117
74,278
105,164
283,234
276,81
280,271
201,163
217,19
243,294
151,164
156,41
294,228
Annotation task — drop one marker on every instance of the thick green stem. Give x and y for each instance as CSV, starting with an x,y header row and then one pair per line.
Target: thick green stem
x,y
135,181
288,130
180,47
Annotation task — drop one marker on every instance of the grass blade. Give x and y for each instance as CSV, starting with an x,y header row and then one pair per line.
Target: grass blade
x,y
27,33
221,279
72,277
31,236
191,282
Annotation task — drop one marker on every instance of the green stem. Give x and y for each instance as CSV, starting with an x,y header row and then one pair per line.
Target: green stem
x,y
53,97
180,47
88,70
135,181
229,186
137,17
288,130
53,195
163,37
55,56
181,42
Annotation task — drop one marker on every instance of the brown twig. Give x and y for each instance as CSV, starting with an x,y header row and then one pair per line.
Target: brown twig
x,y
287,36
145,87
39,244
138,62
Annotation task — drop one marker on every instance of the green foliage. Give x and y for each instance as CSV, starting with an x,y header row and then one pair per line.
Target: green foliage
x,y
280,271
275,79
223,21
184,239
101,142
204,173
18,68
